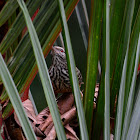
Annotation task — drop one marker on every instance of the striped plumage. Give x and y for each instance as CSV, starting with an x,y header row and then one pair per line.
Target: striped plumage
x,y
59,72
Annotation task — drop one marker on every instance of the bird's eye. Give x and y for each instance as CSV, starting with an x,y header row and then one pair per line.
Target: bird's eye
x,y
61,50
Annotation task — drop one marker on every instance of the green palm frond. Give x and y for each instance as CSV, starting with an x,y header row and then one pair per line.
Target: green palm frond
x,y
22,66
111,41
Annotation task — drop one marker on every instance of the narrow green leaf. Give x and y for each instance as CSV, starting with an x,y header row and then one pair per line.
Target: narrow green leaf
x,y
107,75
116,17
131,94
133,131
98,123
8,9
1,137
72,72
131,55
26,69
121,100
18,26
43,72
15,99
136,9
138,138
92,58
41,19
122,47
83,21
21,62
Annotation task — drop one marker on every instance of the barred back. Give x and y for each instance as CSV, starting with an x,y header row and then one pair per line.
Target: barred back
x,y
59,75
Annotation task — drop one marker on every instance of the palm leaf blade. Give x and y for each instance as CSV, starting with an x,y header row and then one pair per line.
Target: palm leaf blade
x,y
44,75
133,131
72,73
131,94
92,59
7,11
17,26
15,99
107,75
25,71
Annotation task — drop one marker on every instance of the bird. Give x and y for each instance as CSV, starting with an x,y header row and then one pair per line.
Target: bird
x,y
58,71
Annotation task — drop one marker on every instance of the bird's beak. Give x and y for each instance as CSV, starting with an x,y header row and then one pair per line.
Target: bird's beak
x,y
53,50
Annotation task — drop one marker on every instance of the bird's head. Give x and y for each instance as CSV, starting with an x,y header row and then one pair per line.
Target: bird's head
x,y
58,51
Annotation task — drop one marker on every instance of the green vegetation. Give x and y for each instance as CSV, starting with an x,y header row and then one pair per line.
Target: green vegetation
x,y
113,43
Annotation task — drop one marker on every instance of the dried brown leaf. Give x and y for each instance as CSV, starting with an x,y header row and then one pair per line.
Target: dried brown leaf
x,y
42,116
37,131
12,131
29,110
68,116
64,104
51,135
38,138
48,129
70,133
46,123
